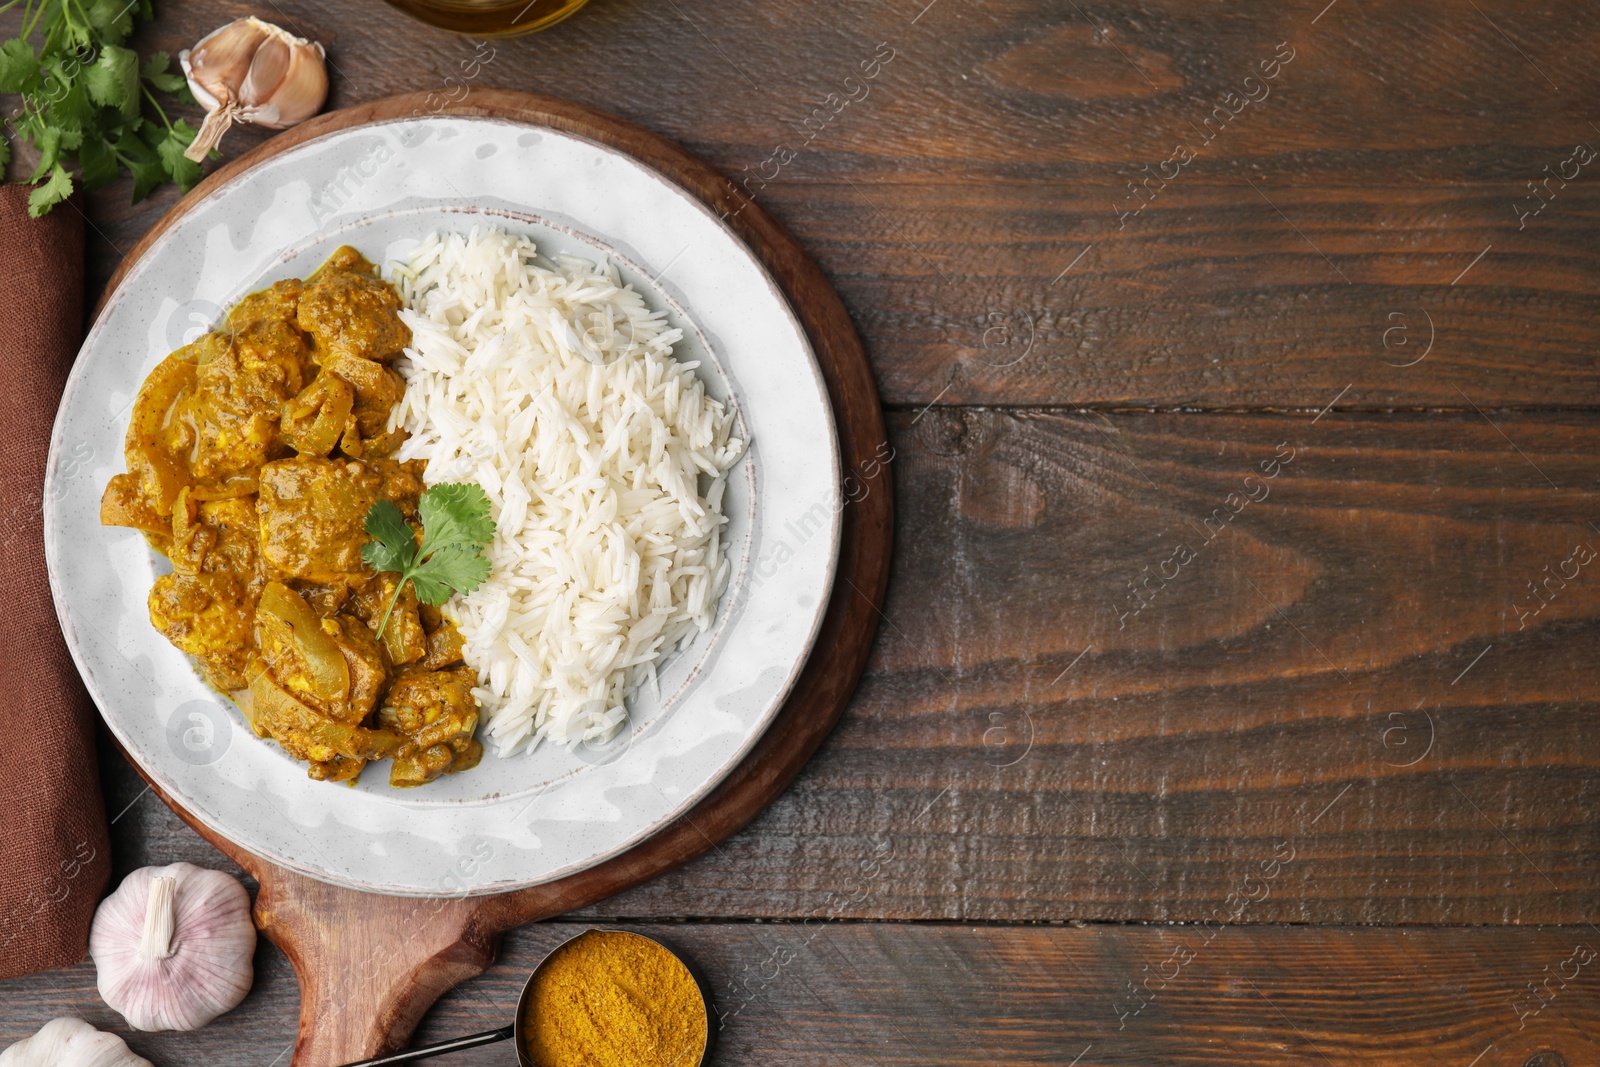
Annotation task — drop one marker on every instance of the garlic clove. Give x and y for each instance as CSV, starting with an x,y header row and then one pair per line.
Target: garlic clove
x,y
287,84
173,947
217,65
253,72
267,68
69,1042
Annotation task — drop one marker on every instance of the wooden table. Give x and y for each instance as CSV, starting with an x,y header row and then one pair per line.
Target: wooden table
x,y
1234,699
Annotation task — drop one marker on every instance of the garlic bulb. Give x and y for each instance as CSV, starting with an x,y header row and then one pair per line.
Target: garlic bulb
x,y
253,72
69,1042
172,946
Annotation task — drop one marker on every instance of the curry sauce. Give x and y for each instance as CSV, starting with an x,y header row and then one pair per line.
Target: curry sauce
x,y
254,455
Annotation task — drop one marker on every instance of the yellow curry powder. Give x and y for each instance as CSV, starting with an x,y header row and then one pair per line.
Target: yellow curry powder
x,y
614,999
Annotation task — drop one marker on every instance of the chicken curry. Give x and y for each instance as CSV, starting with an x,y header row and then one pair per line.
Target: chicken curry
x,y
254,455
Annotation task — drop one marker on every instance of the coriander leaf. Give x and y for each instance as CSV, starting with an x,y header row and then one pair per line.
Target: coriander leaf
x,y
113,19
453,568
79,36
142,163
70,106
131,146
5,154
57,72
51,193
396,546
181,169
430,590
456,527
48,145
146,178
113,80
19,68
82,92
97,162
152,134
156,73
455,513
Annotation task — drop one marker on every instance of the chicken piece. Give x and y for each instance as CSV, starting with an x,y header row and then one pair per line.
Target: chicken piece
x,y
126,503
338,769
291,656
437,714
298,647
350,312
369,672
315,419
378,389
325,600
240,386
211,616
444,647
158,444
404,640
313,513
217,537
276,303
308,735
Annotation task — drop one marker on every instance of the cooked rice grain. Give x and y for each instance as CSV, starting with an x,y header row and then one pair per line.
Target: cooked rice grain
x,y
603,457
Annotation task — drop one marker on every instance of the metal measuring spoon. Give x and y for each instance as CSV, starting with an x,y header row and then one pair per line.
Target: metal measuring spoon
x,y
514,1030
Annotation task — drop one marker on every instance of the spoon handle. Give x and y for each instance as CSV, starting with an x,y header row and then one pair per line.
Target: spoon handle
x,y
488,1037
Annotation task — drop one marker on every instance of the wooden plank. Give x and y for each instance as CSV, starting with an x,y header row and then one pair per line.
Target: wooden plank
x,y
1337,673
890,994
1324,225
1272,705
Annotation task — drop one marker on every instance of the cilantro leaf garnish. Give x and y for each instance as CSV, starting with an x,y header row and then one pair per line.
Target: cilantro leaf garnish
x,y
456,513
456,528
395,546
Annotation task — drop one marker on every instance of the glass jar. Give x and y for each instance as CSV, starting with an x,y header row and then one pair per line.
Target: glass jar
x,y
490,18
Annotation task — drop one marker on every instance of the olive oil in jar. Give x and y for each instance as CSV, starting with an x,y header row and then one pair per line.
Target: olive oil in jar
x,y
490,18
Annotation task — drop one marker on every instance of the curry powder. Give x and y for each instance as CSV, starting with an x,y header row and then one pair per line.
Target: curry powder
x,y
614,999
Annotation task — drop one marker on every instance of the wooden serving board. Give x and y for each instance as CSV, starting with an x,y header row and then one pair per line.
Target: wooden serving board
x,y
371,965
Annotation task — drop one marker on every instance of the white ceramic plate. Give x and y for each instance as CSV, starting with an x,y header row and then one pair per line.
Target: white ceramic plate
x,y
509,822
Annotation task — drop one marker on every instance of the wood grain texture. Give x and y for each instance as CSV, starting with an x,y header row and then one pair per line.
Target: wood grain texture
x,y
948,202
369,965
892,994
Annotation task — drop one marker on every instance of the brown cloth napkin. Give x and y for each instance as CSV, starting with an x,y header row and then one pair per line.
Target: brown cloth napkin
x,y
54,854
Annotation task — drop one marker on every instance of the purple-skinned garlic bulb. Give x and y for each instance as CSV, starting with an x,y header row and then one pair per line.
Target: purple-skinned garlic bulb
x,y
173,947
68,1042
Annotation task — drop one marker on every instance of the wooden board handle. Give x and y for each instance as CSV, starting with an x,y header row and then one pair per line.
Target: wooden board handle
x,y
369,966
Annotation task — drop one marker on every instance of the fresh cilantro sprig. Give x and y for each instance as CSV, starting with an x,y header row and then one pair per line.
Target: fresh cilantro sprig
x,y
456,528
83,95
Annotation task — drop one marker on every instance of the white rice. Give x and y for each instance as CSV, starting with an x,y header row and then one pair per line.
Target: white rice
x,y
603,457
